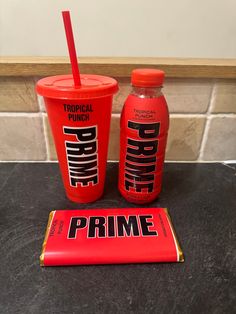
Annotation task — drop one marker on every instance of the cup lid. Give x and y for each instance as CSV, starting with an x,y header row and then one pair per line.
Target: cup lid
x,y
62,86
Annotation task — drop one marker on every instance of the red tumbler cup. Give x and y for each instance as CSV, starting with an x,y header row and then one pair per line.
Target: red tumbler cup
x,y
80,122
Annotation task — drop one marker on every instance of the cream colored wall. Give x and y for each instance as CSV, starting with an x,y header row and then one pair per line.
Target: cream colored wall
x,y
167,28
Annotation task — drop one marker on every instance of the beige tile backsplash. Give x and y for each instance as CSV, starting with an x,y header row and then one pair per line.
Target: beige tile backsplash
x,y
195,95
184,138
202,120
225,97
221,139
22,137
17,94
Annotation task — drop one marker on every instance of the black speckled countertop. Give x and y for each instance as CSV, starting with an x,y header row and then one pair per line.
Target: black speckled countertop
x,y
202,202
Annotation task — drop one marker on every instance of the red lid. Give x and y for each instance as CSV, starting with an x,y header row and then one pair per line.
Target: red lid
x,y
147,77
62,86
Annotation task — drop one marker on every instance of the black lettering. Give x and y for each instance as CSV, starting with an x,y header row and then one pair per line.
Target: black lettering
x,y
82,159
78,108
78,117
139,172
111,226
138,186
145,148
75,224
82,154
146,224
83,181
74,166
84,149
125,226
143,186
129,184
84,169
140,178
82,134
97,227
141,160
85,174
139,169
73,145
70,116
145,130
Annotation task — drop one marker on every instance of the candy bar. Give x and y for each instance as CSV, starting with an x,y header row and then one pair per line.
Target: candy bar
x,y
110,236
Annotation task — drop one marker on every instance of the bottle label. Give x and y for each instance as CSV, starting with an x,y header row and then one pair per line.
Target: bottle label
x,y
141,150
143,135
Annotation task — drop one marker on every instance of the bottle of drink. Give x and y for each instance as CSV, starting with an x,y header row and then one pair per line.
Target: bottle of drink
x,y
143,135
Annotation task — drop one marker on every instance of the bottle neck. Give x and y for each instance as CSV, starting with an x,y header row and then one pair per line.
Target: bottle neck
x,y
146,92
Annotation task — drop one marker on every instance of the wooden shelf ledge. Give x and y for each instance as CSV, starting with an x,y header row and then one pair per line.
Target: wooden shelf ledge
x,y
118,67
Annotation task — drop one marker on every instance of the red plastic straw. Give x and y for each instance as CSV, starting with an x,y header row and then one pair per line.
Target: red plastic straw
x,y
71,48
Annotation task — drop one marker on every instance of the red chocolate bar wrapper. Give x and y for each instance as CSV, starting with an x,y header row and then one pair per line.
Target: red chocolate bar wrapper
x,y
110,236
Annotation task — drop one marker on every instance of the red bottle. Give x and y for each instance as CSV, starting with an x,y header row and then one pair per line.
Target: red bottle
x,y
143,135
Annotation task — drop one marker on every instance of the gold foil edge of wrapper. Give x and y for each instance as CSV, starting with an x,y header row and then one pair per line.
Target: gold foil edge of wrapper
x,y
180,251
41,258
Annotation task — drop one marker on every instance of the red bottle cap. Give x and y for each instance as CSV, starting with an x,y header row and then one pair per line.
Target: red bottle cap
x,y
147,77
62,87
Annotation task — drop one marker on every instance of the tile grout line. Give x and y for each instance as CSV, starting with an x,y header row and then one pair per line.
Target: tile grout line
x,y
20,114
207,126
187,115
40,100
43,115
194,115
177,115
117,115
45,136
201,115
